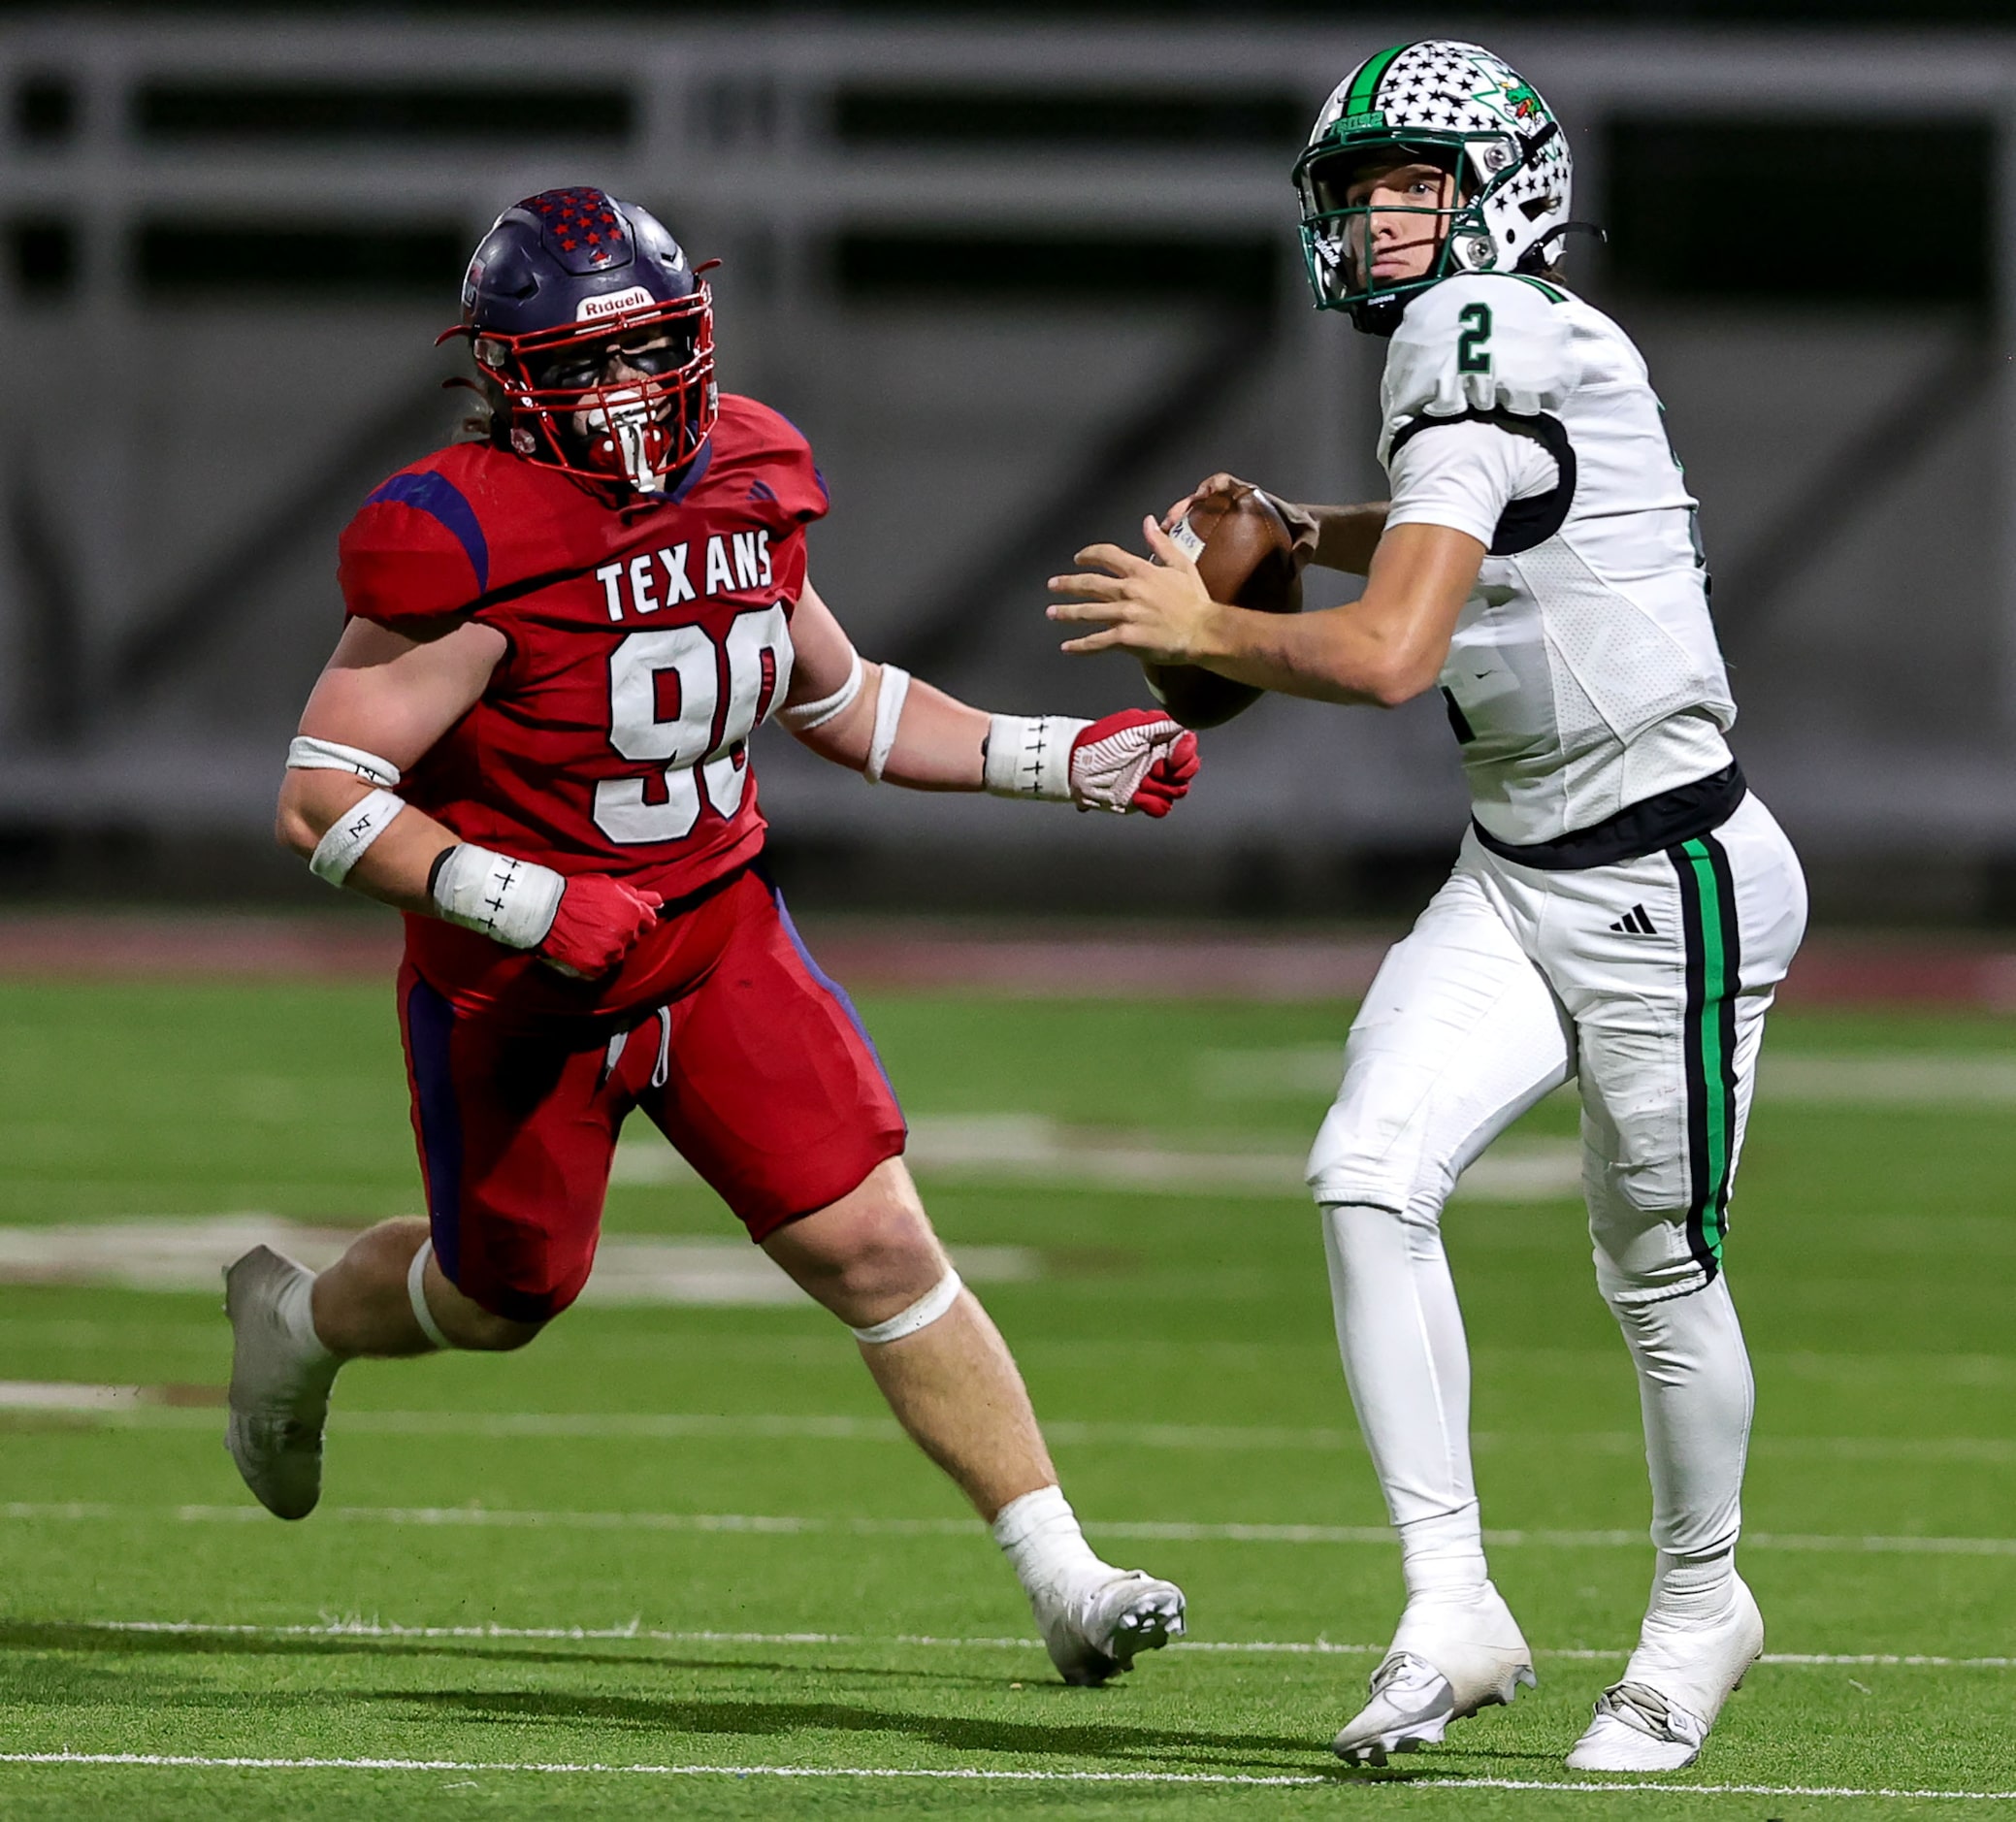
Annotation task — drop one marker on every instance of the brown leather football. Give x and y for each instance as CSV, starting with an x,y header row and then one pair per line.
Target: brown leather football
x,y
1246,556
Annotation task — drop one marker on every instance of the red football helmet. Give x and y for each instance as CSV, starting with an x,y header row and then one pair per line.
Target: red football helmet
x,y
595,338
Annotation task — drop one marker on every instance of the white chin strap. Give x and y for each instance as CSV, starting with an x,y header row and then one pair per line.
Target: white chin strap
x,y
921,1314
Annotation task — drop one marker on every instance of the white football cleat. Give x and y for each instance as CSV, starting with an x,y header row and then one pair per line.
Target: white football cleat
x,y
1096,1625
1449,1659
1656,1716
279,1391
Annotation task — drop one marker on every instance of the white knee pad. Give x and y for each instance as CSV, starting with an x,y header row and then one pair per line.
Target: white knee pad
x,y
1644,1260
921,1314
416,1294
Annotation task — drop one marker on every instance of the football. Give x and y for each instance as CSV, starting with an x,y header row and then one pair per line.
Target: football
x,y
1244,553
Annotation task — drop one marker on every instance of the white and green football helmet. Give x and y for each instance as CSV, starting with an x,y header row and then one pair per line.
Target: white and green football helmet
x,y
1461,108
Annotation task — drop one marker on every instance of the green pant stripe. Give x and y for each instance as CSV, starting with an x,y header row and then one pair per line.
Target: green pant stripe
x,y
1707,1035
1707,894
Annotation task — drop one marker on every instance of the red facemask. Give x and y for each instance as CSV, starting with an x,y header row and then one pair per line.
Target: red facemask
x,y
636,430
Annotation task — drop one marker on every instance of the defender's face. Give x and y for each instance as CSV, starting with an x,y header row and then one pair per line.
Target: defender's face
x,y
619,365
1400,242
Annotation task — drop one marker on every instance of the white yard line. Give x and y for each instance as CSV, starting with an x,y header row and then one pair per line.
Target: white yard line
x,y
794,1525
1296,1647
179,1761
174,1409
190,1254
68,1395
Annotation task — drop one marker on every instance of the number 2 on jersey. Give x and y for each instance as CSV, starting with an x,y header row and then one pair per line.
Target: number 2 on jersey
x,y
1473,349
679,699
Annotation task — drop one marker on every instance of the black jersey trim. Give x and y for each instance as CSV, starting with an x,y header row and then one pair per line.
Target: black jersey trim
x,y
1459,723
1681,814
1524,523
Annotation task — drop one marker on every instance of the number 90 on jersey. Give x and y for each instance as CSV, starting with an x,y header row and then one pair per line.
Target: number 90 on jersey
x,y
681,697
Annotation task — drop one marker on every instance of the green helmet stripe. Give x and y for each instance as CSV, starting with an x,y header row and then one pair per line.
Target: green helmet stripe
x,y
1365,84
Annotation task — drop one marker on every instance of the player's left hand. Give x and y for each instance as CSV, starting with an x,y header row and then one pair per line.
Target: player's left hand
x,y
1137,759
1158,609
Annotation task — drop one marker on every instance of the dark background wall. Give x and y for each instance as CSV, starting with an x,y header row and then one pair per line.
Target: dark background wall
x,y
1022,275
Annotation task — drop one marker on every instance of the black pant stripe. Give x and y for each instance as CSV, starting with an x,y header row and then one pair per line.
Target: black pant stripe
x,y
1731,973
1700,1169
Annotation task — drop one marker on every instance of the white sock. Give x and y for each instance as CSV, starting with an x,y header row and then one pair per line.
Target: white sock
x,y
1692,1590
295,1308
1039,1534
1443,1557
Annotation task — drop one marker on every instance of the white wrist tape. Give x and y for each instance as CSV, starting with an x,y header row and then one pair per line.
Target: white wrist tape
x,y
307,753
889,711
416,1294
921,1314
1029,756
512,902
804,717
352,834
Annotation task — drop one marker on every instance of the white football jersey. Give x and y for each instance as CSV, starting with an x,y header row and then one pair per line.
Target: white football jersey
x,y
1584,676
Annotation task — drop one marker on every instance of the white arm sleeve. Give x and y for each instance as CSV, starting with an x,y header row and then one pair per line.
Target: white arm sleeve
x,y
1464,475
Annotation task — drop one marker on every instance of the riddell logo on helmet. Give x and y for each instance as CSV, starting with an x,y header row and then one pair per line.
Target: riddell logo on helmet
x,y
614,304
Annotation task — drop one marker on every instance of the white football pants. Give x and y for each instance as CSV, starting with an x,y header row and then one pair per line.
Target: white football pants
x,y
1648,981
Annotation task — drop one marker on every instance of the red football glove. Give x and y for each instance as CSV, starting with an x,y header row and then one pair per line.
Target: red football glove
x,y
1137,759
596,924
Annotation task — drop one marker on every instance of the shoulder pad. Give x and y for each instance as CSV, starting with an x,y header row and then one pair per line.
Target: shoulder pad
x,y
416,550
754,442
1482,343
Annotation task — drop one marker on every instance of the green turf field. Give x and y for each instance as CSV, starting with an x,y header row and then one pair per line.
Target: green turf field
x,y
728,1568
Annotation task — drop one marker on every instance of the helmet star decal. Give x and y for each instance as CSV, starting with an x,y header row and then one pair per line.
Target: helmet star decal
x,y
1458,108
594,339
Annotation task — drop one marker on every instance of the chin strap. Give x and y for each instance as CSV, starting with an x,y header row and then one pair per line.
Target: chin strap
x,y
1537,251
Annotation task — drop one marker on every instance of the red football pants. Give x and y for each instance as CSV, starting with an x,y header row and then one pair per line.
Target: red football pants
x,y
757,1071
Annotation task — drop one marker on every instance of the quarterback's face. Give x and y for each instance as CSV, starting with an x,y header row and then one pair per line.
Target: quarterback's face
x,y
1400,240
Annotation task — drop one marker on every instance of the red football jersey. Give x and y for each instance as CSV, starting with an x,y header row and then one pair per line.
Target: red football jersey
x,y
647,640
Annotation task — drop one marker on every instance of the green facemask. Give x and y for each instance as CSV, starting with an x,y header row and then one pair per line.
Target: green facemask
x,y
1336,233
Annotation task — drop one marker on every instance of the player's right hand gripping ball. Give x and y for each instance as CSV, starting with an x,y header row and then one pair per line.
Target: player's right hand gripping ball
x,y
1250,555
1134,761
598,923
